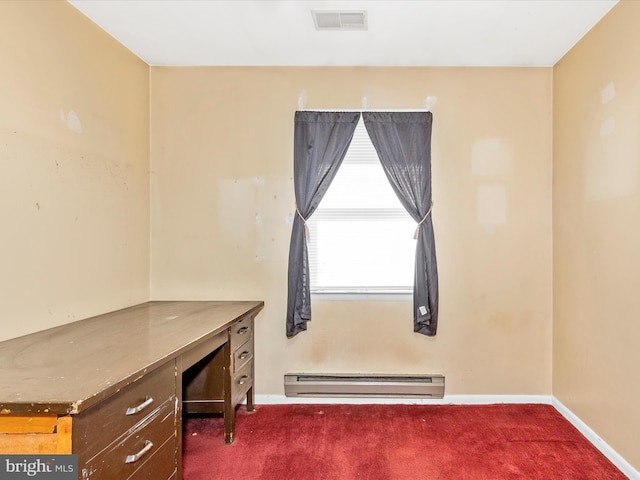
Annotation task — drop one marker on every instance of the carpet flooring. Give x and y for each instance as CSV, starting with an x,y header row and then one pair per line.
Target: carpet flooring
x,y
393,442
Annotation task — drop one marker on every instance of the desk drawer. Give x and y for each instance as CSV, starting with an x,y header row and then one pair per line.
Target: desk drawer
x,y
99,426
160,466
241,383
138,448
240,332
242,355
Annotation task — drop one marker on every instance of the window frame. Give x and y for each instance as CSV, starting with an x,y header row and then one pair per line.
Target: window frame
x,y
397,212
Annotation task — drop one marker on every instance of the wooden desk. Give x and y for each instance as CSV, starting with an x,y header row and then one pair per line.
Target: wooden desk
x,y
109,388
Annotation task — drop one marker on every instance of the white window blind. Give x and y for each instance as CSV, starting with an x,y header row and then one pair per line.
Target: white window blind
x,y
361,237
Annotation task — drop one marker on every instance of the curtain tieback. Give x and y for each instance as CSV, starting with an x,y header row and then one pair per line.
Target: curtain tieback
x,y
415,235
304,222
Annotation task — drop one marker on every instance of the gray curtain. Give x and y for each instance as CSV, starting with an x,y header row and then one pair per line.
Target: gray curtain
x,y
321,140
403,143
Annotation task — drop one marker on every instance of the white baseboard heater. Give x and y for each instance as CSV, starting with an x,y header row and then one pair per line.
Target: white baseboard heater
x,y
363,385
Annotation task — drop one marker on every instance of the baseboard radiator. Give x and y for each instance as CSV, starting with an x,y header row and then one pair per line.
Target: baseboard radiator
x,y
367,385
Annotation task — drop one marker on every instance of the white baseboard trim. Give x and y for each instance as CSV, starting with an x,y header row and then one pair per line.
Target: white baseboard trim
x,y
613,456
447,400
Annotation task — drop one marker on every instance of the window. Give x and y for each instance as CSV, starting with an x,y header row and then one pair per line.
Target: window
x,y
361,237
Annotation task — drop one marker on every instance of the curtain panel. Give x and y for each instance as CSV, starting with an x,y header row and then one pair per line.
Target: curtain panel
x,y
321,140
403,143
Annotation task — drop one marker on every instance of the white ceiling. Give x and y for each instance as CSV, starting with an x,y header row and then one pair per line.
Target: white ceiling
x,y
400,33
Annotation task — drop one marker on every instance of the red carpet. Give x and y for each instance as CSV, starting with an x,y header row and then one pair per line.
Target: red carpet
x,y
393,442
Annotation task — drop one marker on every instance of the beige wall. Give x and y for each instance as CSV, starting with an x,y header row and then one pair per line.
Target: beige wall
x,y
74,158
222,204
596,225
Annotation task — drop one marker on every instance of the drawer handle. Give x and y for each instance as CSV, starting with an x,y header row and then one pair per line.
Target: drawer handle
x,y
244,355
137,456
243,380
131,410
243,330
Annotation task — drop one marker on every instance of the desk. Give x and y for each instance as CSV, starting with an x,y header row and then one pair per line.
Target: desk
x,y
110,389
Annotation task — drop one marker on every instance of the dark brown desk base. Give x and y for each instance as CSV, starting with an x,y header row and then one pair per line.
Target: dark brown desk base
x,y
222,379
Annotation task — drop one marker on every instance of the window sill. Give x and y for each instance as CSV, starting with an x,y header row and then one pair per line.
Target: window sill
x,y
333,296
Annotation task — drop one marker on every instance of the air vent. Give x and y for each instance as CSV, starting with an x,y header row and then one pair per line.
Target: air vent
x,y
340,19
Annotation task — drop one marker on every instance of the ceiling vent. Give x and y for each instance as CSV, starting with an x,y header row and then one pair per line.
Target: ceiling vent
x,y
340,19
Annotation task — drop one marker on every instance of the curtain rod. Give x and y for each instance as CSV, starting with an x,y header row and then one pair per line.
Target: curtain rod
x,y
348,110
429,101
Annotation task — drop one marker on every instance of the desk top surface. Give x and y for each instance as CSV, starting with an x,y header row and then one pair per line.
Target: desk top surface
x,y
69,368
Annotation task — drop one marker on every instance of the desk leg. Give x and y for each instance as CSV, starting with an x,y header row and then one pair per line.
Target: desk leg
x,y
229,423
250,406
179,425
229,410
